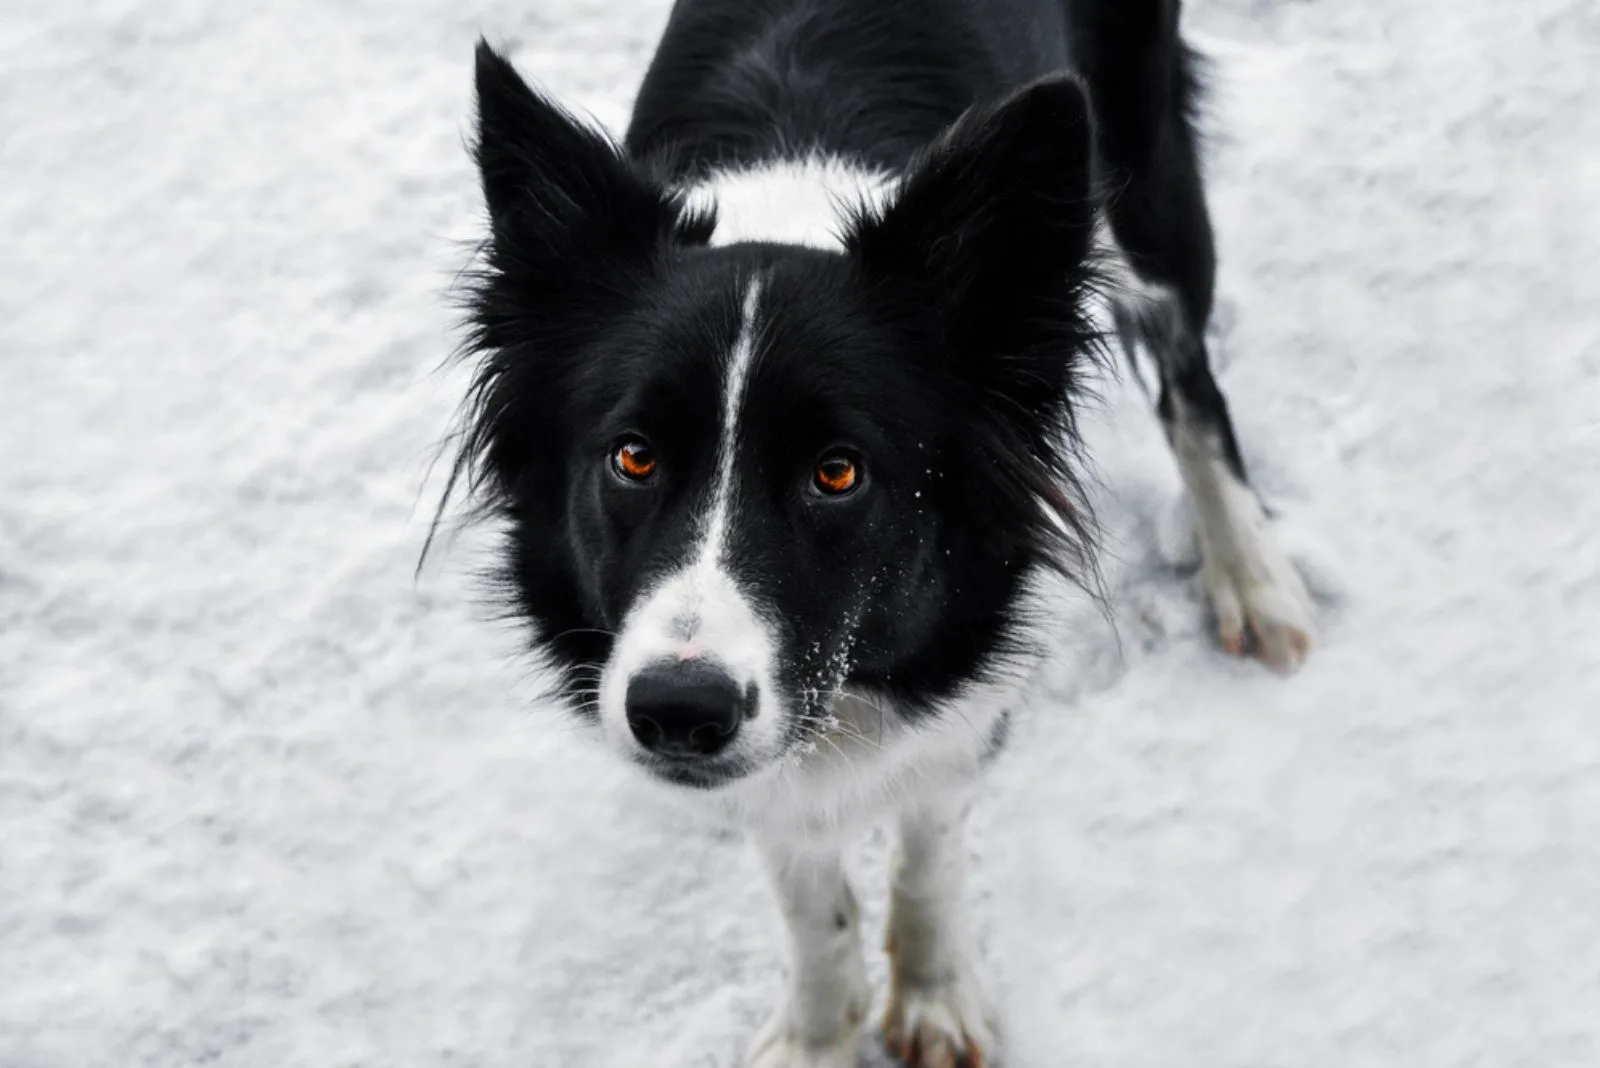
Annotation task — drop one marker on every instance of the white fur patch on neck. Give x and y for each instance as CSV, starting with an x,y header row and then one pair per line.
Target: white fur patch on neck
x,y
793,202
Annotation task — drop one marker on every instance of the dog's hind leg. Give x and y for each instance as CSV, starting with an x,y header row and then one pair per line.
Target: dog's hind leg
x,y
818,1023
1143,83
938,1013
1260,601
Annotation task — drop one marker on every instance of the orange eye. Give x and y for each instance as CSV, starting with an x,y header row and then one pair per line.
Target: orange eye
x,y
634,460
836,474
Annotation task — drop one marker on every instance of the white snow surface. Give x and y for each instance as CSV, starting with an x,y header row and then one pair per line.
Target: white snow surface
x,y
265,800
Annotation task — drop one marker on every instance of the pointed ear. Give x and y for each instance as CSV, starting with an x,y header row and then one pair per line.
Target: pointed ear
x,y
985,259
553,184
993,232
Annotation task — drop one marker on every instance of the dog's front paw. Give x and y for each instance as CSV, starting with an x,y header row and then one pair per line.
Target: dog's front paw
x,y
947,1025
784,1043
1262,606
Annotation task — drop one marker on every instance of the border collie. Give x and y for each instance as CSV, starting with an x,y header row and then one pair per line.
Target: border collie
x,y
776,400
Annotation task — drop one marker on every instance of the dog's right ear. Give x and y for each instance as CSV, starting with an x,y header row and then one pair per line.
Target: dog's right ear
x,y
554,185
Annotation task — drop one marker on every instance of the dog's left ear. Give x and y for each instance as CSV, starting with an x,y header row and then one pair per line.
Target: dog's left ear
x,y
990,237
553,185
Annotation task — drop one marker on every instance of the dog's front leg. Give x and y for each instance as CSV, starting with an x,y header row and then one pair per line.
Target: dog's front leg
x,y
818,1023
938,1013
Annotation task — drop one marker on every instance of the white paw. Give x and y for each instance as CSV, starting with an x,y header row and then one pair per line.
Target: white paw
x,y
1260,599
1261,603
780,1044
949,1025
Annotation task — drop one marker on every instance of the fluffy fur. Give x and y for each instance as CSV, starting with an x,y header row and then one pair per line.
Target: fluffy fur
x,y
858,238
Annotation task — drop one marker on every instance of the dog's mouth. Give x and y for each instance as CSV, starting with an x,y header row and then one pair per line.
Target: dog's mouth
x,y
694,774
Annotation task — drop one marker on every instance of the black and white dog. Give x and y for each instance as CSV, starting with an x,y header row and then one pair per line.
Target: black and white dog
x,y
777,403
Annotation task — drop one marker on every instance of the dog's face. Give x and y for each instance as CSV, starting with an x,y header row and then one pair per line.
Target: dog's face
x,y
742,479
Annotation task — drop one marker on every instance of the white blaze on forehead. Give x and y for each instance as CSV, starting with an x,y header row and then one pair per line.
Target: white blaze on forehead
x,y
792,202
735,376
700,610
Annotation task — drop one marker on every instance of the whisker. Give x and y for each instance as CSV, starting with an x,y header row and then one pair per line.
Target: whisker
x,y
849,764
854,734
582,630
975,732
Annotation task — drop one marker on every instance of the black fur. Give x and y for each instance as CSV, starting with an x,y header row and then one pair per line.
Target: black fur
x,y
945,344
743,80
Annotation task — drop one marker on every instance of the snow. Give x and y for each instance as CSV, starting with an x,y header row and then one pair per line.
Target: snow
x,y
265,800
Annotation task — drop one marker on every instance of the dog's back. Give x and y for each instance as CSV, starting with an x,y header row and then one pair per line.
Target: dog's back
x,y
744,81
739,81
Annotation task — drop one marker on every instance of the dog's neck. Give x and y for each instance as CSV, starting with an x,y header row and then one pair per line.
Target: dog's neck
x,y
809,201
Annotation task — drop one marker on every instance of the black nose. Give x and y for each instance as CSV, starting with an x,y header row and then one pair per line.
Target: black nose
x,y
685,708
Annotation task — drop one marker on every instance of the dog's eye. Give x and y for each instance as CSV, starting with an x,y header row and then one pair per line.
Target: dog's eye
x,y
837,473
634,460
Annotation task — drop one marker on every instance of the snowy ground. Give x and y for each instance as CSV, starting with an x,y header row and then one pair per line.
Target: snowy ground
x,y
264,801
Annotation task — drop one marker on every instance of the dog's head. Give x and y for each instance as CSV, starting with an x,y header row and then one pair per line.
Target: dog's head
x,y
741,479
